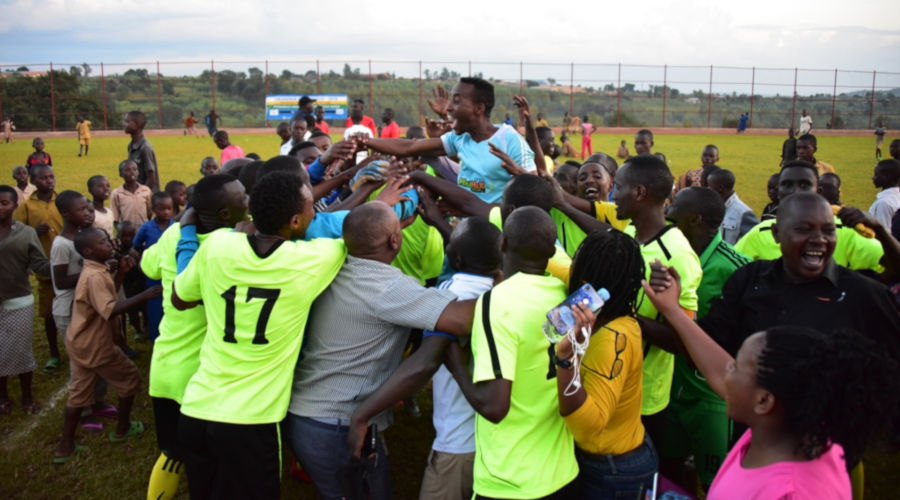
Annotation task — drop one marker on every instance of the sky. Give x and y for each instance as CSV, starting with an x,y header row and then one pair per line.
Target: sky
x,y
824,35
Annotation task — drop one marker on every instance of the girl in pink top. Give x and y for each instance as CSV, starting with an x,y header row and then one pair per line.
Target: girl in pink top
x,y
586,140
811,401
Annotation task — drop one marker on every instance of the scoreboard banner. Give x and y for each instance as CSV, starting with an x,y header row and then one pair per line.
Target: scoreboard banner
x,y
283,106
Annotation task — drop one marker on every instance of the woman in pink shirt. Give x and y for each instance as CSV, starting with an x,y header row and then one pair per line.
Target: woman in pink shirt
x,y
810,400
586,140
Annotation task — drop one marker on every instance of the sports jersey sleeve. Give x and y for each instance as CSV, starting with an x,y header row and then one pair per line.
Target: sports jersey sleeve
x,y
861,252
494,351
759,243
518,150
496,217
316,172
404,302
450,140
326,225
187,246
187,283
688,267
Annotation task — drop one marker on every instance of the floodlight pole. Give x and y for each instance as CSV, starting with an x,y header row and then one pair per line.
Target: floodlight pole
x,y
794,103
871,101
619,97
709,100
752,91
267,89
158,96
833,96
665,93
103,95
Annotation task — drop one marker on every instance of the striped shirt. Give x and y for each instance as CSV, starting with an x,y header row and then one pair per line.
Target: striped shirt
x,y
355,337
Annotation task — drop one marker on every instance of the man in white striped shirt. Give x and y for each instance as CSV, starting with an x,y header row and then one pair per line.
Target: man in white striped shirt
x,y
355,338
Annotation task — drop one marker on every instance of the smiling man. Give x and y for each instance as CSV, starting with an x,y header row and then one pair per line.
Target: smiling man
x,y
803,287
469,108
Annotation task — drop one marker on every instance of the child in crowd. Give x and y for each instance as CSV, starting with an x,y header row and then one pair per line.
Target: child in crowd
x,y
39,156
178,191
39,212
131,201
567,148
21,252
147,236
587,143
23,187
622,153
65,261
208,166
94,343
66,264
772,191
131,282
98,186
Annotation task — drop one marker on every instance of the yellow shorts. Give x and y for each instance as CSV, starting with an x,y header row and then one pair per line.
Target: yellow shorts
x,y
84,141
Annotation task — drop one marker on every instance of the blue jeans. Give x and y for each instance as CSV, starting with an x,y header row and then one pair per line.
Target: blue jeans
x,y
617,476
322,451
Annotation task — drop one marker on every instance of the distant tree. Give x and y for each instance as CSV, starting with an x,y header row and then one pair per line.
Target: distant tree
x,y
255,72
609,88
86,69
75,71
628,88
551,81
22,68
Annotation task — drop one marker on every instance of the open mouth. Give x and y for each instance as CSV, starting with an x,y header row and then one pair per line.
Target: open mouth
x,y
591,192
813,258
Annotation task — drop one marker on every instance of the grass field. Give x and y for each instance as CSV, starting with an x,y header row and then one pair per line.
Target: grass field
x,y
752,158
121,470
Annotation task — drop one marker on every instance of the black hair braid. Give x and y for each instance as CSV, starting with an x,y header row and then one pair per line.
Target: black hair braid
x,y
838,387
612,260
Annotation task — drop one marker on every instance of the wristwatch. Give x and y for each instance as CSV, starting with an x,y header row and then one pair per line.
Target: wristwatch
x,y
562,363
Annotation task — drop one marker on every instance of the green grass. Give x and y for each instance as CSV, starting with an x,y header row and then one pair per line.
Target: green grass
x,y
121,470
752,159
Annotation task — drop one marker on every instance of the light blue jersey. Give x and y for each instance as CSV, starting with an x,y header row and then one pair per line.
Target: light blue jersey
x,y
480,171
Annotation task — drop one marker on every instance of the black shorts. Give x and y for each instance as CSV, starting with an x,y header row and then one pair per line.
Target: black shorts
x,y
230,460
166,412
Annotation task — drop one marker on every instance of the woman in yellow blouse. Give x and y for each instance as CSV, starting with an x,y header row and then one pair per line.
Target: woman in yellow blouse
x,y
615,456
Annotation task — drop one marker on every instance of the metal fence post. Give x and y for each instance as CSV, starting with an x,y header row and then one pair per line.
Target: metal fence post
x,y
571,89
52,101
212,84
371,97
421,111
665,93
833,97
752,92
872,100
794,104
103,95
709,100
158,96
619,98
318,78
267,89
521,82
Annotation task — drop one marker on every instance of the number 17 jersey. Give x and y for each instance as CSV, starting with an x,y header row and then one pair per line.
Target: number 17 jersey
x,y
256,311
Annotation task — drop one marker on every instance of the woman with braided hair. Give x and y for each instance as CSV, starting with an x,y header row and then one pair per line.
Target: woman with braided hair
x,y
616,458
811,401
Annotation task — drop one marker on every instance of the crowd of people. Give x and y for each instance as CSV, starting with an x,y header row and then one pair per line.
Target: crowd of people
x,y
737,355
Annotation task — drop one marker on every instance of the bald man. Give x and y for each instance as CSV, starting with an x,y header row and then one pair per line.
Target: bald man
x,y
355,338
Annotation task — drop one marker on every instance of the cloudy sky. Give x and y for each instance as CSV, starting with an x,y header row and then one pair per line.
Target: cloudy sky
x,y
824,34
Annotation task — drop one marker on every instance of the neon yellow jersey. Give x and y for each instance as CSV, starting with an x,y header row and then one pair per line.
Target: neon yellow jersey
x,y
673,250
558,265
256,311
530,453
570,235
176,352
852,249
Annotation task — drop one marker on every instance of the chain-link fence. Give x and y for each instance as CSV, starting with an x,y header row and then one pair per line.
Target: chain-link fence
x,y
49,96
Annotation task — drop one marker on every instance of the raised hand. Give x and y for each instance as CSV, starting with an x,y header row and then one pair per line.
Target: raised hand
x,y
506,161
440,101
393,191
436,128
524,111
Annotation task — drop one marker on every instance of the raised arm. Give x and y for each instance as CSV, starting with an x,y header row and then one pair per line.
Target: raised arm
x,y
460,198
407,147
